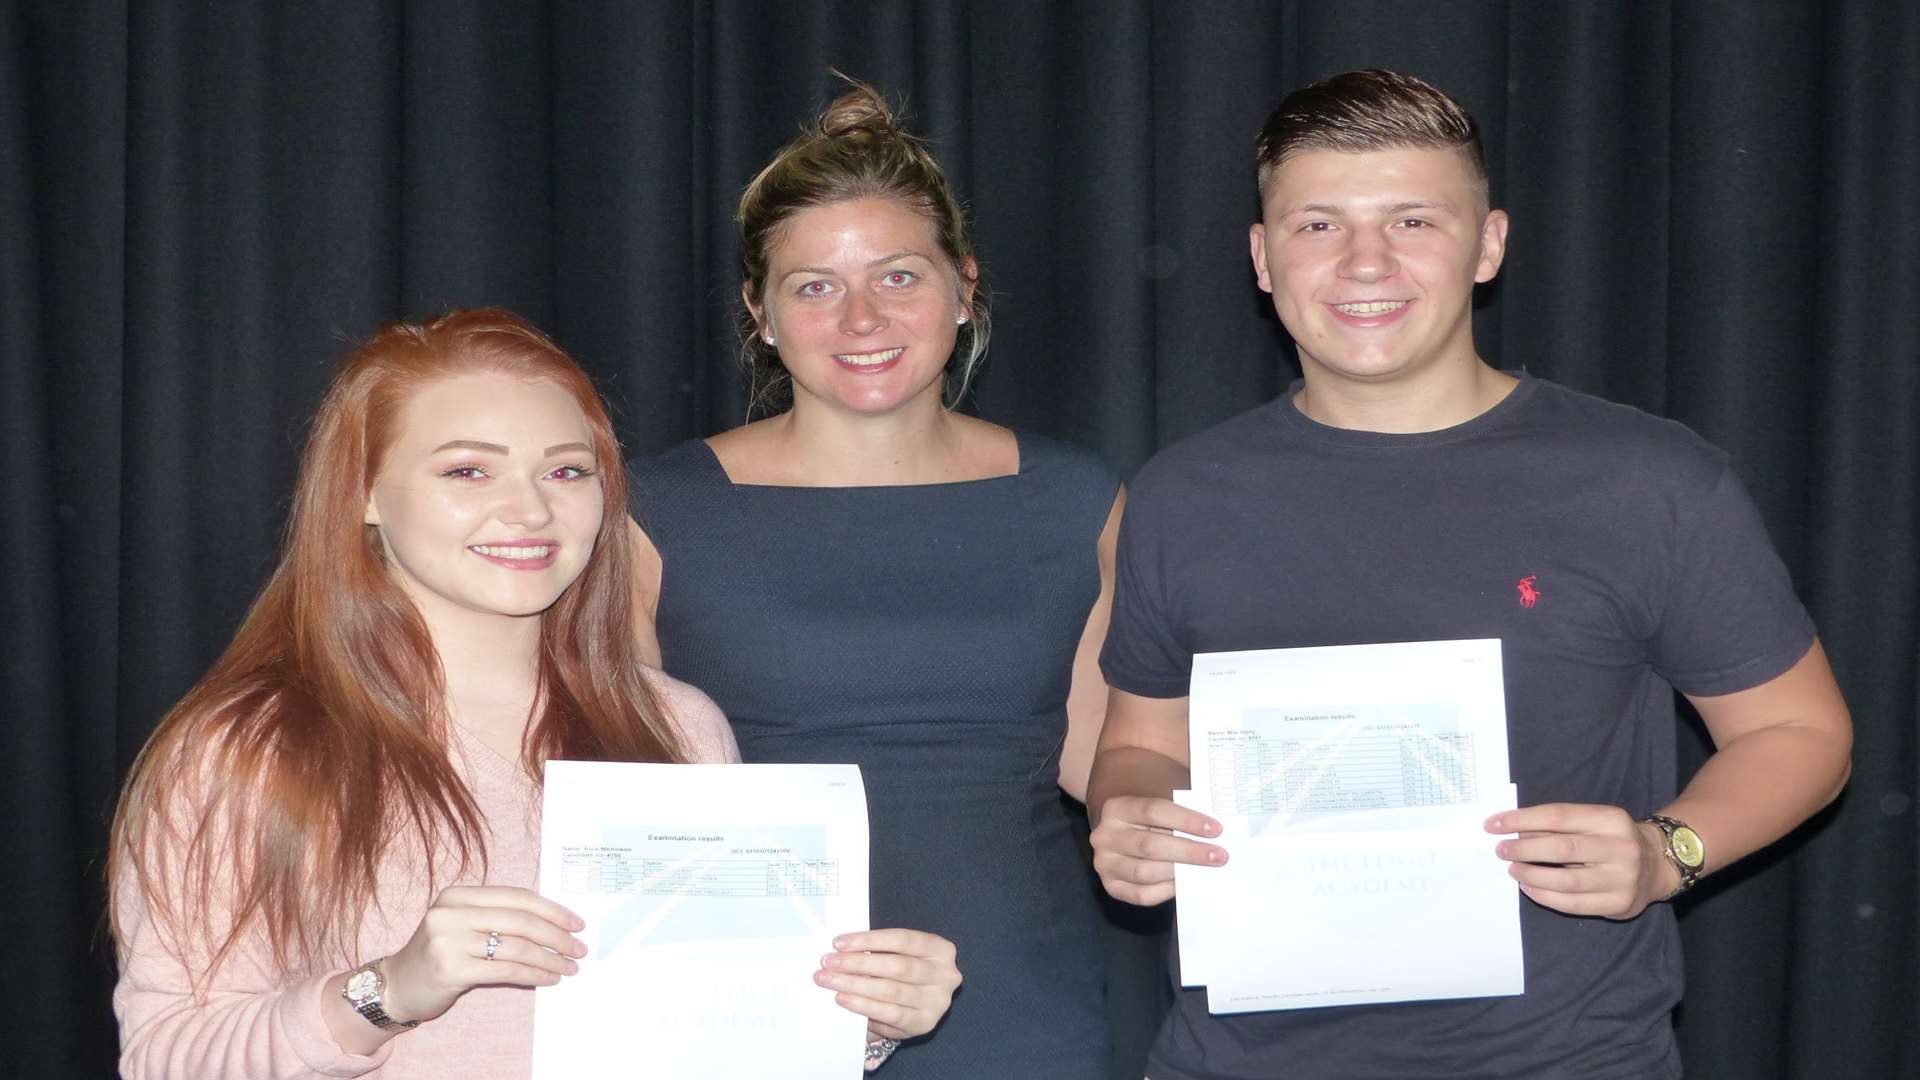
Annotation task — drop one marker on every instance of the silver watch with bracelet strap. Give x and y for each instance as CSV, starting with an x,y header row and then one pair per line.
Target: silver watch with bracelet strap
x,y
365,985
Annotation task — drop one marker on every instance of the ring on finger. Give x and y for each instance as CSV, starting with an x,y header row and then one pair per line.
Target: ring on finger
x,y
493,944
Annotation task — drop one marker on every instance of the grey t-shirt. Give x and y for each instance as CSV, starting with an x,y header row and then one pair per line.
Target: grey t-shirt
x,y
1616,557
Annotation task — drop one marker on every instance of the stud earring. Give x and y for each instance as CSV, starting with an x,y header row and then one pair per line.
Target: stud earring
x,y
769,339
960,320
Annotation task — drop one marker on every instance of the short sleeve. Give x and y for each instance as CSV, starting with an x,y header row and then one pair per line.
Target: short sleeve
x,y
1729,620
1144,653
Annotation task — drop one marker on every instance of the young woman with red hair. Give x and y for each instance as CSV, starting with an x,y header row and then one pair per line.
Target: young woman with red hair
x,y
322,863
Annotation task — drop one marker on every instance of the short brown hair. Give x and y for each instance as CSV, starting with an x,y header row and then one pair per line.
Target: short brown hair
x,y
1367,110
857,148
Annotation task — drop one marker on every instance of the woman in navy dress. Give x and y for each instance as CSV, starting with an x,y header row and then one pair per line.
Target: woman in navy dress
x,y
867,575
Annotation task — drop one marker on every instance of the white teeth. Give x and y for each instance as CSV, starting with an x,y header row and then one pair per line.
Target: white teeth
x,y
1372,307
498,552
869,359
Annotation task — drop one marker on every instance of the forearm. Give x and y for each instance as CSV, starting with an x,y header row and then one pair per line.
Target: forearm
x,y
1131,770
280,1033
1762,785
1783,751
242,1023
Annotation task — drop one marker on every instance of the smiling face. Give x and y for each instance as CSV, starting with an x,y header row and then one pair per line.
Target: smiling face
x,y
489,500
1372,257
862,305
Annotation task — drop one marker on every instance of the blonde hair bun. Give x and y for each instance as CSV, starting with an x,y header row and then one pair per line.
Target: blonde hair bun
x,y
860,110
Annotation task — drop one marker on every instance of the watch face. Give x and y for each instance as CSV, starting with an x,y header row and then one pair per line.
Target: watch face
x,y
1687,847
362,985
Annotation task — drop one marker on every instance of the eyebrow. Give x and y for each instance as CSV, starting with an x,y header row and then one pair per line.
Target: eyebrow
x,y
904,253
496,448
470,444
1396,208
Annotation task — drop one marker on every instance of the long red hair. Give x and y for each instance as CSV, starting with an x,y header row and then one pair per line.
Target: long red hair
x,y
267,798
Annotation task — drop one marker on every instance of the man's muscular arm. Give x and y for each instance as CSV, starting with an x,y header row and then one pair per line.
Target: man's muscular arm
x,y
1783,751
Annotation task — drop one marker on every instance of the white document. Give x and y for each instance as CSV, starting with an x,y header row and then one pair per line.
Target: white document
x,y
1350,783
710,893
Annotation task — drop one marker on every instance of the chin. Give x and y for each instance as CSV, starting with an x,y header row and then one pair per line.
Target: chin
x,y
875,407
518,607
1362,372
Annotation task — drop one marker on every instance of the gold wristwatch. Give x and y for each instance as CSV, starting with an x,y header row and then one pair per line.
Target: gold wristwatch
x,y
1685,850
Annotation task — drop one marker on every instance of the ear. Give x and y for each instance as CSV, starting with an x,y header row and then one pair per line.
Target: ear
x,y
969,271
760,328
1493,246
1257,247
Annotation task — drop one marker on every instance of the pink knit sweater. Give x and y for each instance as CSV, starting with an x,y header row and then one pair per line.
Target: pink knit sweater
x,y
257,1023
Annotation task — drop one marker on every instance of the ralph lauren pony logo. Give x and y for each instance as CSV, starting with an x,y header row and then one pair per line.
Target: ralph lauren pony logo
x,y
1529,591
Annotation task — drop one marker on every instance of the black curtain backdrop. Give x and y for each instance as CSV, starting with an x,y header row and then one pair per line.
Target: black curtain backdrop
x,y
1713,218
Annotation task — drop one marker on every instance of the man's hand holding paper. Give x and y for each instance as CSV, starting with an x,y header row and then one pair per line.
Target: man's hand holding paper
x,y
1584,859
1138,842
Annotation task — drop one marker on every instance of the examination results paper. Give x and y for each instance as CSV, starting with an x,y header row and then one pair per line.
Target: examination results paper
x,y
1350,783
710,893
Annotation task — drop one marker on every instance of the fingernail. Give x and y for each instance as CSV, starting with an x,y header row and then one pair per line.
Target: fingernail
x,y
830,961
1501,849
1494,824
1210,828
840,942
822,978
573,968
1216,857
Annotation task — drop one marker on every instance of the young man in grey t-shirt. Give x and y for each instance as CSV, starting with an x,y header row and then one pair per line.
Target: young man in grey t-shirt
x,y
1405,490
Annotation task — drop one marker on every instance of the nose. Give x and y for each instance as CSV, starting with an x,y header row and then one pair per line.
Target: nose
x,y
1368,257
861,314
525,504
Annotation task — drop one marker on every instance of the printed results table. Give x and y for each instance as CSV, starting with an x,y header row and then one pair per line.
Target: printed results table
x,y
615,871
1258,774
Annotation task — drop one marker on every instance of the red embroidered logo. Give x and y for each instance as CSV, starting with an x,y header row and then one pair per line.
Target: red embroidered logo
x,y
1529,595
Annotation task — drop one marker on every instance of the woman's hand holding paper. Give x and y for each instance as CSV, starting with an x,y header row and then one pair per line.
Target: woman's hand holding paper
x,y
902,981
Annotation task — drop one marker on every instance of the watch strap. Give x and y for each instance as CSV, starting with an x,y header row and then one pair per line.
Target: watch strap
x,y
377,1016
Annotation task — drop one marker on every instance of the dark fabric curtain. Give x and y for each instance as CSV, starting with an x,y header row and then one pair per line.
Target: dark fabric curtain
x,y
1713,219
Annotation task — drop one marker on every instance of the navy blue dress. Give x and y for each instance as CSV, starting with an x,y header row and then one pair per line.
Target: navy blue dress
x,y
926,633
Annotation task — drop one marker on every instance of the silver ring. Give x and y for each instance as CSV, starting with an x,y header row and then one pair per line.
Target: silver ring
x,y
493,944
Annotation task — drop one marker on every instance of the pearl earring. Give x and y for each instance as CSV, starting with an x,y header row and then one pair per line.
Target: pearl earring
x,y
960,320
